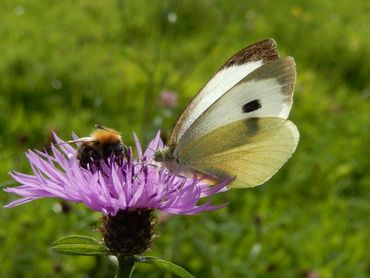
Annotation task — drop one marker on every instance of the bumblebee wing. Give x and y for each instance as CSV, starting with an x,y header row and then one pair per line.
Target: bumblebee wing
x,y
79,140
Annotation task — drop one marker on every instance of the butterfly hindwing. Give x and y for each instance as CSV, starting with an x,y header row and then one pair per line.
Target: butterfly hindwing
x,y
251,150
235,69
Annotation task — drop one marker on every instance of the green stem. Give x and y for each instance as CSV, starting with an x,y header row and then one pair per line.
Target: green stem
x,y
125,267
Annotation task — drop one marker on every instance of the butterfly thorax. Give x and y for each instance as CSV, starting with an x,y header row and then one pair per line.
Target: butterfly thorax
x,y
168,159
164,155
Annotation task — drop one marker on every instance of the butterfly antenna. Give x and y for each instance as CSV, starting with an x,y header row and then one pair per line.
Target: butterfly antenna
x,y
146,146
153,150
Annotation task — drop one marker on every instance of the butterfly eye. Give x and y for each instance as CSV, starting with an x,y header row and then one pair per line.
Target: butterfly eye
x,y
159,156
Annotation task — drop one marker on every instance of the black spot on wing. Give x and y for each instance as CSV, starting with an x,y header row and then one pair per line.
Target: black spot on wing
x,y
251,106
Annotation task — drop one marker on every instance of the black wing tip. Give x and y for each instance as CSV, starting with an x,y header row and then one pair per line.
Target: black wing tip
x,y
288,60
282,70
289,66
265,50
269,41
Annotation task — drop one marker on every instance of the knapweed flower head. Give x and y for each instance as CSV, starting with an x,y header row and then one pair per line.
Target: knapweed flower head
x,y
135,183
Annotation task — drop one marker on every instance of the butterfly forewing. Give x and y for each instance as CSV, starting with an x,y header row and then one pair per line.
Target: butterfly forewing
x,y
266,92
234,70
250,150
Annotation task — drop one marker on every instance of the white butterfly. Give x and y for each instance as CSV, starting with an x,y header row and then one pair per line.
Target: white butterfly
x,y
237,126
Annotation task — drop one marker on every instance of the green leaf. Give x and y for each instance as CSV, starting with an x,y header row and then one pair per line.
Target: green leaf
x,y
164,265
79,245
113,259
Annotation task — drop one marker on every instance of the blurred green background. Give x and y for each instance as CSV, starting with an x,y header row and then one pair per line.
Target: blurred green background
x,y
66,65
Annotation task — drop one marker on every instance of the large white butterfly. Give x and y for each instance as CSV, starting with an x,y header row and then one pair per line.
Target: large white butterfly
x,y
237,126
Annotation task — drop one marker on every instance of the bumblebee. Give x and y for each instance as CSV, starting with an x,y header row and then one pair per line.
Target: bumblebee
x,y
100,145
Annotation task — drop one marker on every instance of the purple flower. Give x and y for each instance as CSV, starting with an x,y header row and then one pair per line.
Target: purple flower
x,y
168,99
136,183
